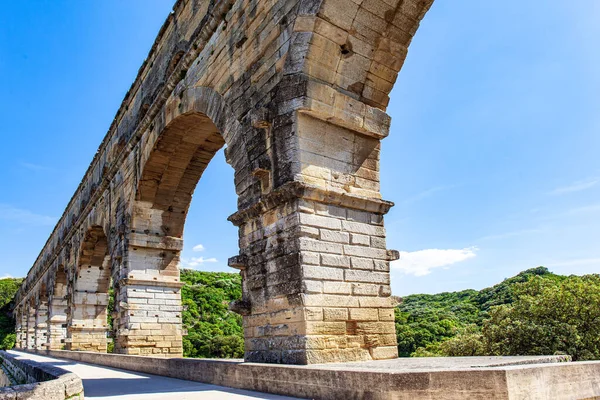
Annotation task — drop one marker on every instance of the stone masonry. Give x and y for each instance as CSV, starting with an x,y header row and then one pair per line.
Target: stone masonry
x,y
296,92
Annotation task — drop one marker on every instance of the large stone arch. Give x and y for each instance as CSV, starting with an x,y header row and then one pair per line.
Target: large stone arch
x,y
297,90
88,308
354,47
191,128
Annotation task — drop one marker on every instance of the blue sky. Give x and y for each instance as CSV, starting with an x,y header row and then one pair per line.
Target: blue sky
x,y
492,160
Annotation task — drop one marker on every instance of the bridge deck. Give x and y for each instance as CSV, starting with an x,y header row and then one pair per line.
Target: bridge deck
x,y
102,383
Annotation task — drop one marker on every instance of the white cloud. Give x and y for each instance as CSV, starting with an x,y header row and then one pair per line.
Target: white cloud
x,y
507,235
576,187
195,262
7,276
422,262
584,209
427,193
10,213
198,247
33,167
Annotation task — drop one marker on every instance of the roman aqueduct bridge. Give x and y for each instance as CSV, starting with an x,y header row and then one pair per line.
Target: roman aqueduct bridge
x,y
296,92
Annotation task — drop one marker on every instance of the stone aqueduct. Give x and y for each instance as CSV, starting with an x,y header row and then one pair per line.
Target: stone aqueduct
x,y
297,91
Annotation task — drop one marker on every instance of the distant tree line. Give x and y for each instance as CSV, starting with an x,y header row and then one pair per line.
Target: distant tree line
x,y
535,312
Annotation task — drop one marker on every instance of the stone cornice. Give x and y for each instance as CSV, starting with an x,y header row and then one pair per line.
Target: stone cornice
x,y
146,282
302,190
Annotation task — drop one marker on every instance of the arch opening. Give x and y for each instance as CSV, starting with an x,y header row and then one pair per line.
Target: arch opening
x,y
172,169
88,319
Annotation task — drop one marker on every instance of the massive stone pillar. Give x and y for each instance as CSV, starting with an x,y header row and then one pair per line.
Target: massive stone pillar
x,y
313,252
31,320
57,317
20,328
88,324
41,325
150,320
316,272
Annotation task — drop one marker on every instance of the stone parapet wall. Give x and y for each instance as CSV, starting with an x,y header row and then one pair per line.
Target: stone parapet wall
x,y
35,381
460,378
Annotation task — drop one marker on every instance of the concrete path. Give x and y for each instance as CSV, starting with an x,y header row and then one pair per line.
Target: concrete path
x,y
103,383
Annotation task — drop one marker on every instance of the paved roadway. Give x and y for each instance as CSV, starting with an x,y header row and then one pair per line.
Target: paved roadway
x,y
103,383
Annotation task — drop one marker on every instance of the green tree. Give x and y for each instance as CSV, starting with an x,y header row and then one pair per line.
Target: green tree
x,y
8,289
548,317
213,330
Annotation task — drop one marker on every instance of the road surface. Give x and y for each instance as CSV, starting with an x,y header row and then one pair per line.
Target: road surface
x,y
103,383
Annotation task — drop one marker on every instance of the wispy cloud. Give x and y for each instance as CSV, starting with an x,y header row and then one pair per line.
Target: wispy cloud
x,y
7,276
427,193
33,167
575,187
198,248
10,213
584,209
195,262
422,262
507,235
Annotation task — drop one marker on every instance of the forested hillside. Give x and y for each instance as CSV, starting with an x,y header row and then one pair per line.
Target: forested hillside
x,y
423,320
8,289
535,312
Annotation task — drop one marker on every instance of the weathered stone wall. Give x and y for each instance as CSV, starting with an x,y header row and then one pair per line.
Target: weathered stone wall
x,y
27,379
296,90
450,378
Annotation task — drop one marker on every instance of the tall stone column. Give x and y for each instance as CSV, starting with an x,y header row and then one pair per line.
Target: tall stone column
x,y
19,328
41,326
57,322
88,328
149,317
313,249
31,320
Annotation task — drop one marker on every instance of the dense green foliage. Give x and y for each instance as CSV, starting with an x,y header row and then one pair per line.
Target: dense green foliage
x,y
8,289
213,330
535,312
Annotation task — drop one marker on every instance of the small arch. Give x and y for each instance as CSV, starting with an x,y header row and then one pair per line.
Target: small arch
x,y
195,125
172,171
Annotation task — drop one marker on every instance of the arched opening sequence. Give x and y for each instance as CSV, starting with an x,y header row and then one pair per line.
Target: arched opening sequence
x,y
88,322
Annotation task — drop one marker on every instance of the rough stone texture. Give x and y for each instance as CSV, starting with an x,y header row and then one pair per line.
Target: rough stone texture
x,y
494,378
35,381
296,90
